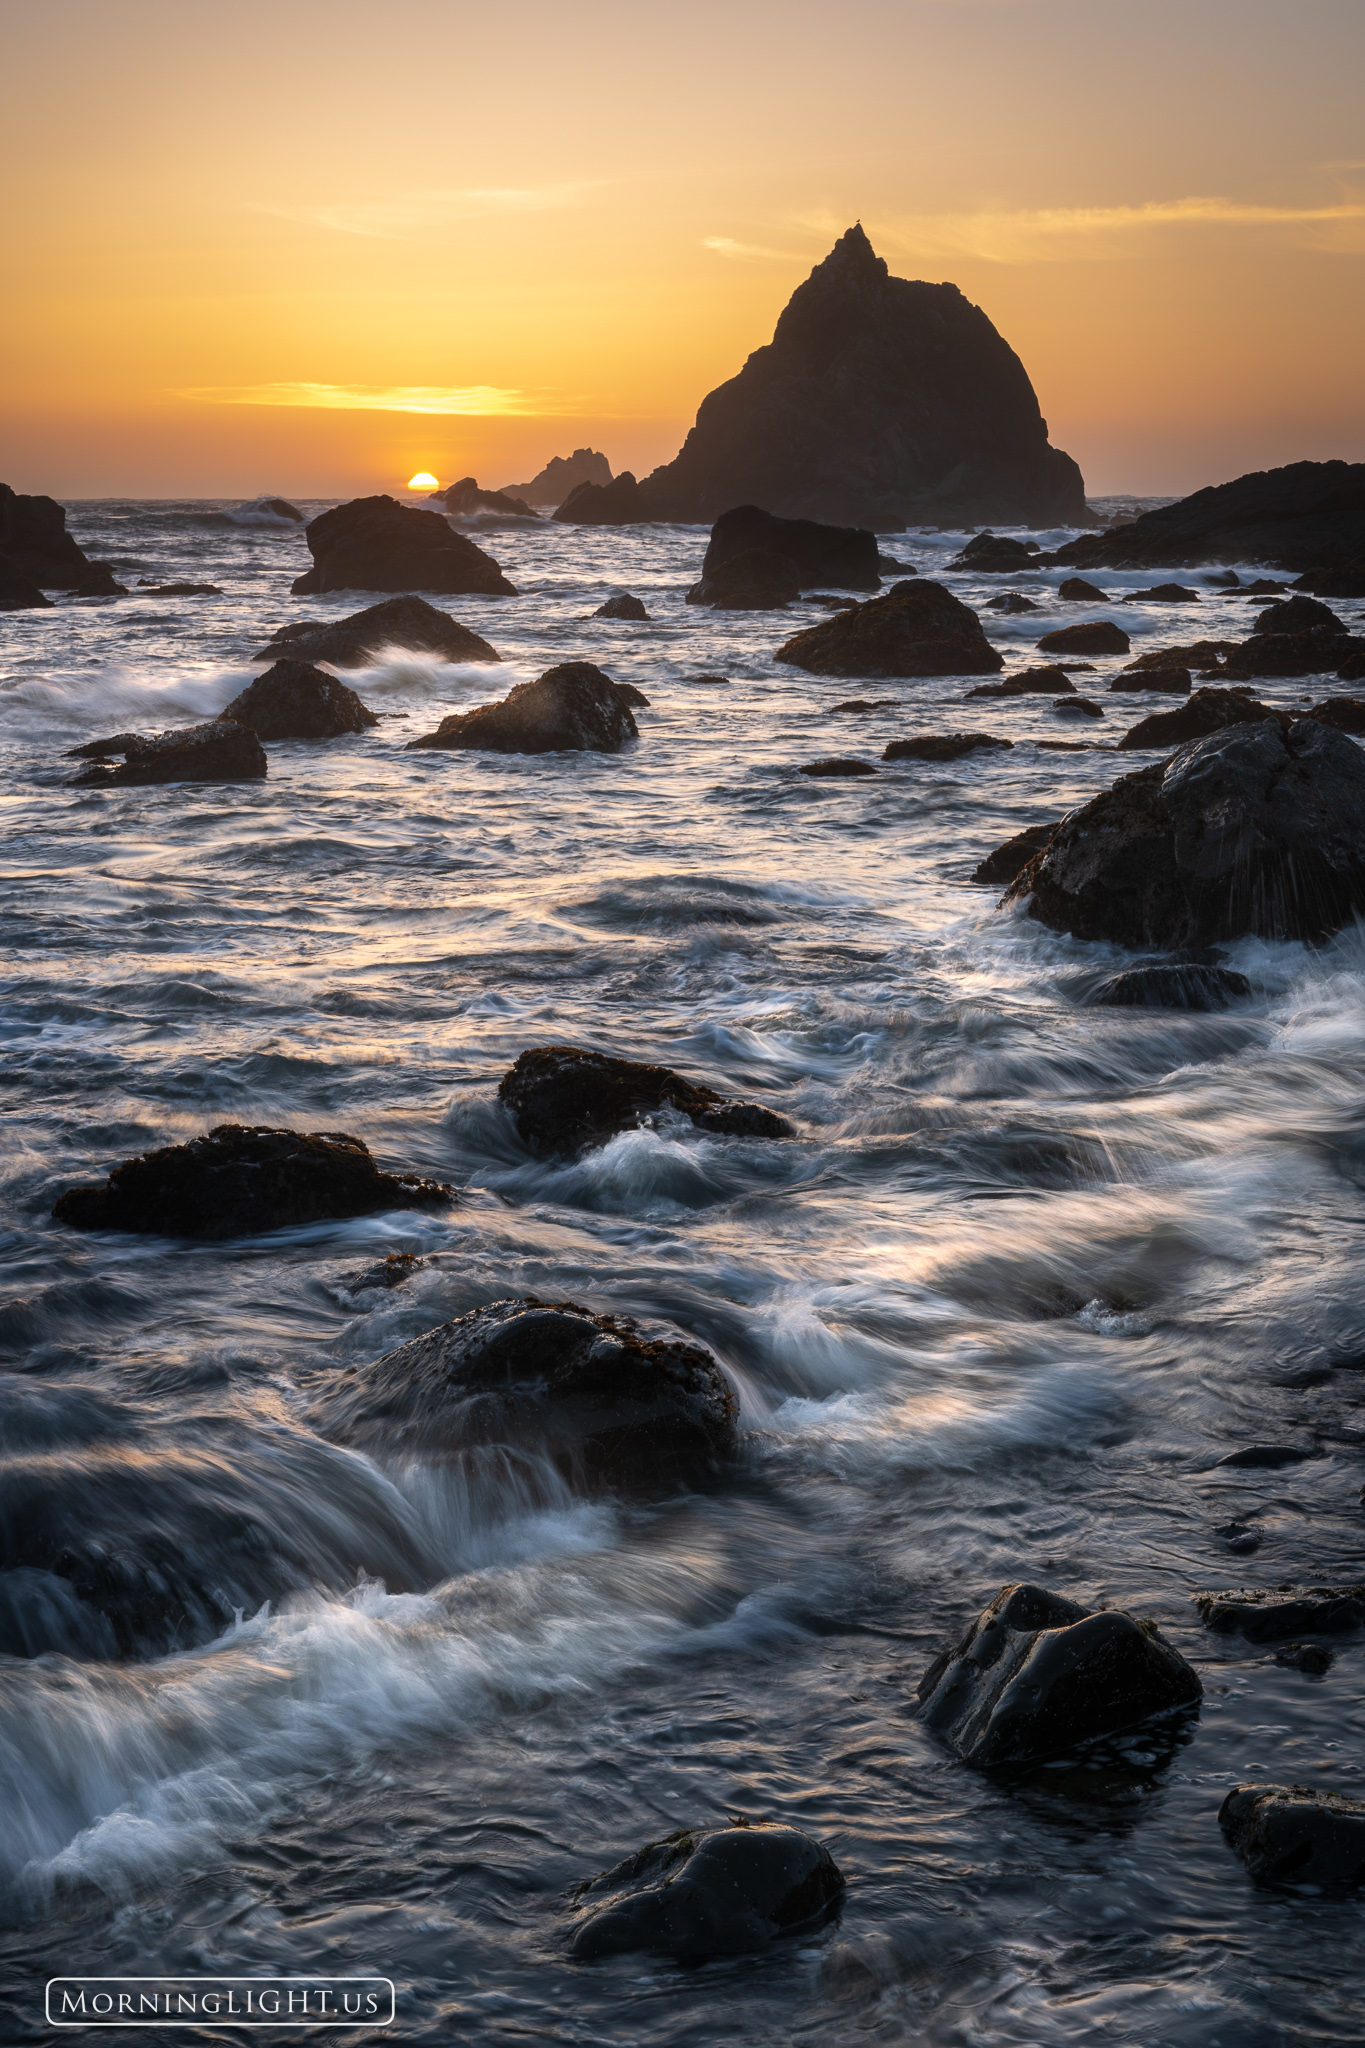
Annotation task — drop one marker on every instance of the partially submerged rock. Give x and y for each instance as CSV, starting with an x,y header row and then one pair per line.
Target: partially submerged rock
x,y
1077,707
179,589
1289,1611
463,500
708,1891
837,767
1008,859
1011,601
607,1401
995,554
1278,656
1168,682
1304,516
567,1099
1162,593
1298,615
18,593
394,1271
1180,986
1037,1675
867,704
35,545
572,708
407,622
1096,636
219,750
1347,714
758,580
1048,681
99,580
1292,1834
292,701
944,746
1075,590
917,629
1200,654
624,607
1315,1660
245,1178
846,556
1208,711
378,544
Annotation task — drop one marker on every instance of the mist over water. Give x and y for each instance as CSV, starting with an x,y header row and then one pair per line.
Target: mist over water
x,y
1027,1272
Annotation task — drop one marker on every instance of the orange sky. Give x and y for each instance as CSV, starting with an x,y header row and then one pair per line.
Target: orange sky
x,y
239,237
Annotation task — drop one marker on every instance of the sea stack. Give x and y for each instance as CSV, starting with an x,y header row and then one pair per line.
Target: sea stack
x,y
878,403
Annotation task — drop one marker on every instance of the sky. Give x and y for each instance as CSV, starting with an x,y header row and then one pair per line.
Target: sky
x,y
285,246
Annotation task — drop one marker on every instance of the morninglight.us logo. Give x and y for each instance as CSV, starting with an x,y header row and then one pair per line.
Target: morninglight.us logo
x,y
238,2001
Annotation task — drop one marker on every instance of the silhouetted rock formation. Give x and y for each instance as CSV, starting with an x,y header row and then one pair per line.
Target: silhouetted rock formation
x,y
1337,581
708,1892
916,629
1253,830
378,544
608,1403
242,1178
1291,1834
216,751
1178,987
623,607
573,708
877,402
292,701
1037,1674
1007,860
755,561
35,544
562,474
464,499
1309,515
407,622
19,593
566,1099
1096,636
943,746
281,508
615,504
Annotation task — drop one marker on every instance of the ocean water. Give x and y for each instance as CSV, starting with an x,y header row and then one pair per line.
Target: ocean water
x,y
1027,1271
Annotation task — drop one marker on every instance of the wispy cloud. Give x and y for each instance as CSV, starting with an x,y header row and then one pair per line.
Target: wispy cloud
x,y
481,400
723,246
1100,231
426,212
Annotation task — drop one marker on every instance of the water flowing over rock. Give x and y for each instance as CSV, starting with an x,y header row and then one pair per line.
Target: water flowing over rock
x,y
1292,1834
464,499
407,622
1254,829
917,629
1037,1675
219,750
292,701
1096,636
561,474
573,708
1176,987
1289,1611
1006,861
877,402
708,1891
378,544
1305,516
618,503
35,545
567,1099
243,1178
606,1401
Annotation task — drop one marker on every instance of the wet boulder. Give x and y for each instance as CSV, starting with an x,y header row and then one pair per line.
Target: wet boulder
x,y
1200,654
1096,636
944,746
1347,714
566,1099
1008,859
293,701
864,704
1075,590
1292,1834
623,607
1352,670
378,544
607,1401
1208,711
995,554
219,750
1162,593
917,629
1281,656
409,623
178,589
1315,1660
1298,615
1037,1675
1011,601
240,1179
1076,707
708,1891
99,580
845,556
836,768
1191,986
1048,681
387,1273
758,580
1256,829
1166,682
18,593
1289,1611
571,709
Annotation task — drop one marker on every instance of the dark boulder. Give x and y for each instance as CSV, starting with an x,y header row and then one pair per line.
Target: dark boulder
x,y
1344,580
1179,987
623,607
1262,1457
179,589
282,509
867,704
755,581
1297,615
1007,860
1265,586
100,750
571,709
18,593
995,554
292,701
888,565
1077,707
464,499
1291,1834
1314,1659
35,545
628,694
944,746
378,544
1305,516
1352,670
845,556
607,1401
99,580
245,1178
1276,656
1096,636
833,604
618,503
1253,830
394,1271
707,1891
836,768
1048,681
1165,682
1075,590
1194,654
407,622
1010,601
216,751
1347,714
1207,711
1289,1611
1162,593
1037,1675
878,402
566,1099
916,629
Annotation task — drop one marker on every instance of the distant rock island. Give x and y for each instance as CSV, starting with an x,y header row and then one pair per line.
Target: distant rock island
x,y
562,474
878,403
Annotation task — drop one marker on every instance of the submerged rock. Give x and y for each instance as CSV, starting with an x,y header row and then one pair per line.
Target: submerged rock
x,y
708,1891
1037,1675
1096,636
407,622
1263,1457
394,1271
1208,711
1252,830
607,1402
916,629
1314,1659
1008,859
567,1099
1290,1611
216,751
1077,707
378,544
573,708
1306,515
243,1178
1177,987
1292,1834
292,701
943,746
623,607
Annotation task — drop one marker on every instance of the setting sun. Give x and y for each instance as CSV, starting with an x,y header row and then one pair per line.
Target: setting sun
x,y
423,481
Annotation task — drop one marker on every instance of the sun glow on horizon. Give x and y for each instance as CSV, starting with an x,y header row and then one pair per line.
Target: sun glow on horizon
x,y
423,481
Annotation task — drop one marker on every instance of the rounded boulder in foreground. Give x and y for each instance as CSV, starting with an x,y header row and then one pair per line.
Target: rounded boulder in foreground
x,y
708,1892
